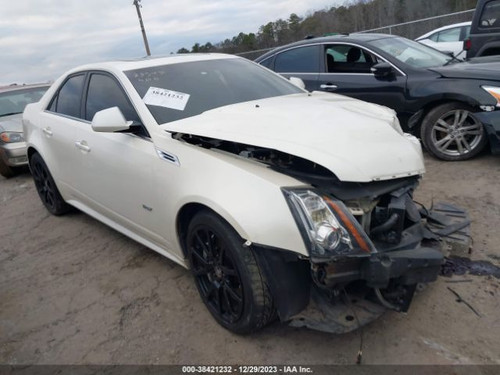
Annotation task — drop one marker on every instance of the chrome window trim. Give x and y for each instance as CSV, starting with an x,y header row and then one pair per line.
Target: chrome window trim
x,y
46,110
90,123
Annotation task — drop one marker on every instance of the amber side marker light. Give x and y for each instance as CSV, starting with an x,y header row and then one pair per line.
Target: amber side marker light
x,y
348,224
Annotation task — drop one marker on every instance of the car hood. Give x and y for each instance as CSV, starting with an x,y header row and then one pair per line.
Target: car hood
x,y
357,141
485,68
12,123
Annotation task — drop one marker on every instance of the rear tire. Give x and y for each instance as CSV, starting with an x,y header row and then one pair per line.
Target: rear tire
x,y
227,275
451,132
46,187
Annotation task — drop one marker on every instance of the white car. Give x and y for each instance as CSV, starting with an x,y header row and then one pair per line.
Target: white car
x,y
13,99
280,201
448,38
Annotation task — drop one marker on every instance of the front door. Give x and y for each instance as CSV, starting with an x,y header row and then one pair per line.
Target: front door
x,y
345,69
116,169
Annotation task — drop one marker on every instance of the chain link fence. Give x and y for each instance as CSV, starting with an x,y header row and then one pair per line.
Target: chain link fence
x,y
414,29
410,30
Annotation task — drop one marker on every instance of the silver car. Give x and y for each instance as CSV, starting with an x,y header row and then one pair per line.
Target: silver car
x,y
13,99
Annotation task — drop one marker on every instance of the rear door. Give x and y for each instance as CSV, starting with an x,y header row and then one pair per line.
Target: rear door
x,y
302,62
59,123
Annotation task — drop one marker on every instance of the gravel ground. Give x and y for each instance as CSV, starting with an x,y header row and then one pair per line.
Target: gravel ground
x,y
73,291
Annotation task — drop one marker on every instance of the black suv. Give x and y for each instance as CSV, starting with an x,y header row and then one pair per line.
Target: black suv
x,y
484,39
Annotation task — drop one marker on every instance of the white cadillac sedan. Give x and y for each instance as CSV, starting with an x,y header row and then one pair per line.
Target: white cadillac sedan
x,y
283,203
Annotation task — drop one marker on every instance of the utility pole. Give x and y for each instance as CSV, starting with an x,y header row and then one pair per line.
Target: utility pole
x,y
146,44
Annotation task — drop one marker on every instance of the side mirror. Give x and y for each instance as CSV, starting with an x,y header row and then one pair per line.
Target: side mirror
x,y
382,70
298,82
110,120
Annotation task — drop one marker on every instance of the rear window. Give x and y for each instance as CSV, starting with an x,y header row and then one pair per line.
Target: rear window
x,y
490,17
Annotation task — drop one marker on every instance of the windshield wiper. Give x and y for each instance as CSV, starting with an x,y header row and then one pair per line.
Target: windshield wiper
x,y
453,59
10,114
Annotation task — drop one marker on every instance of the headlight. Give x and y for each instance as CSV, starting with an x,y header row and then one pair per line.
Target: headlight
x,y
493,91
327,225
11,137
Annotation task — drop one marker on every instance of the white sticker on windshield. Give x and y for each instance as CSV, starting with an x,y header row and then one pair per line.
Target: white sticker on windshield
x,y
166,98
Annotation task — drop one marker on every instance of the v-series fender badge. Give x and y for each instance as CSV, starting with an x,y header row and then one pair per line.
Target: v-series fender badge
x,y
147,208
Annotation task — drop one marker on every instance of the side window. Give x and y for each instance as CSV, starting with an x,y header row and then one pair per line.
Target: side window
x,y
268,63
434,37
69,97
298,60
343,58
490,17
104,92
465,32
451,35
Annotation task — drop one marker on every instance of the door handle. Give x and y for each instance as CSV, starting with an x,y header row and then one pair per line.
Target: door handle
x,y
47,131
328,86
82,145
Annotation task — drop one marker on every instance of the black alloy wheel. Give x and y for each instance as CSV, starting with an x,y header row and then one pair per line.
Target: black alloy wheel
x,y
216,274
227,275
46,187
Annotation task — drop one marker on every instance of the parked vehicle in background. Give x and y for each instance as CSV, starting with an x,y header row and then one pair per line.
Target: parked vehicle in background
x,y
448,38
13,99
484,38
280,201
434,95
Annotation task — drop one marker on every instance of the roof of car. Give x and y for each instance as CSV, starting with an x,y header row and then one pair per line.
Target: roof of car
x,y
145,62
467,23
356,37
16,87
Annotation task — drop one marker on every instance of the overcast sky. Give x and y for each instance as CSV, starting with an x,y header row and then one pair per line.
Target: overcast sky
x,y
41,39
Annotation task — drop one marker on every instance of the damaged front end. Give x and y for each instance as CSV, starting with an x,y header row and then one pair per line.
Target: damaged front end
x,y
371,246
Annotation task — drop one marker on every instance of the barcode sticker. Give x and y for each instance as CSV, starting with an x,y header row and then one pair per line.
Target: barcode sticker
x,y
166,98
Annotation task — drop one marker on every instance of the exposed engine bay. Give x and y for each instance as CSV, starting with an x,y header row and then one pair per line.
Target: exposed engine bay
x,y
407,242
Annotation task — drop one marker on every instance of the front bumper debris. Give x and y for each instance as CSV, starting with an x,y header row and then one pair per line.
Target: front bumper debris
x,y
450,227
351,292
410,267
341,314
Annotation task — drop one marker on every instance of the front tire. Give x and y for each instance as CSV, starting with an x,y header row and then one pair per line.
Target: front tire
x,y
451,132
227,275
46,187
8,171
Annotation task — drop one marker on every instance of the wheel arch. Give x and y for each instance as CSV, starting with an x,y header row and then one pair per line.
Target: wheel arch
x,y
436,102
287,275
186,213
31,150
489,49
450,98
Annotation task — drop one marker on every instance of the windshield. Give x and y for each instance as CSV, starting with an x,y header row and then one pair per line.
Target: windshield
x,y
177,91
13,102
412,53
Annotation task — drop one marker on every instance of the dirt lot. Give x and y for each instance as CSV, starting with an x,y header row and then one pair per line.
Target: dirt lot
x,y
73,291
